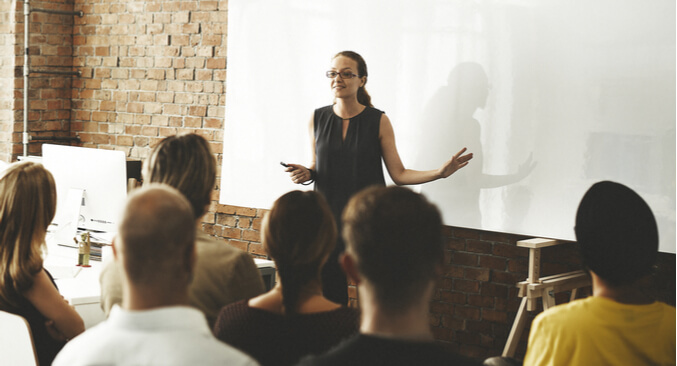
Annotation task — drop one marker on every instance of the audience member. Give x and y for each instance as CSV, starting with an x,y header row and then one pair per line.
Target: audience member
x,y
293,319
155,248
27,206
619,324
393,252
223,274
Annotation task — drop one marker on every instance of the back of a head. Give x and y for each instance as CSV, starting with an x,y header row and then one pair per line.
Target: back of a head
x,y
299,233
617,233
157,234
27,206
396,236
186,163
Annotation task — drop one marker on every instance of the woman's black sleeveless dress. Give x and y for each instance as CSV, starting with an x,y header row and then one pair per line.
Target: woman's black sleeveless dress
x,y
343,168
45,346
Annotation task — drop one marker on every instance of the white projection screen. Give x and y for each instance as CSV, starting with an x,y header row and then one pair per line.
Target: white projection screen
x,y
550,96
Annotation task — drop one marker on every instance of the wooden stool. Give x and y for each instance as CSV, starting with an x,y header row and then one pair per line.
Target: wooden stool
x,y
536,287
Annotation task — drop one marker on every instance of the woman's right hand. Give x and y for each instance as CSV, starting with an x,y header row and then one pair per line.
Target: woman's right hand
x,y
298,173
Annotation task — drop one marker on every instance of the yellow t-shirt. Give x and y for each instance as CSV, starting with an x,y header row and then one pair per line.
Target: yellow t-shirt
x,y
598,331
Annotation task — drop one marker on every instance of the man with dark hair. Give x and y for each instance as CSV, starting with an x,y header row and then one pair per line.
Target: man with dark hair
x,y
155,325
393,251
619,325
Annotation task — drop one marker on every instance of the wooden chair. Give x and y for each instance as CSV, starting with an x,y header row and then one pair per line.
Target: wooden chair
x,y
16,341
540,287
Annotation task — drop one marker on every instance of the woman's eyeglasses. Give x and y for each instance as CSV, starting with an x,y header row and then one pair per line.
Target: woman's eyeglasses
x,y
344,74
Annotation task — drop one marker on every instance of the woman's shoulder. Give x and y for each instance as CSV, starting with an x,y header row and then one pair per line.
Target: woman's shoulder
x,y
236,308
374,110
342,314
325,109
373,115
323,113
347,312
234,313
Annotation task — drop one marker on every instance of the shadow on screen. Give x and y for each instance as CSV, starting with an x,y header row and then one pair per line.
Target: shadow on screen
x,y
449,124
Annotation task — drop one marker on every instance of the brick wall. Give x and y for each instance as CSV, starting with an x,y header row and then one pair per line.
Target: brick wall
x,y
8,56
151,69
50,49
476,300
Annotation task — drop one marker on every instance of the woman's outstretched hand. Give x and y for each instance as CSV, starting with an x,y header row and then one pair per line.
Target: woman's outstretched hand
x,y
456,162
298,173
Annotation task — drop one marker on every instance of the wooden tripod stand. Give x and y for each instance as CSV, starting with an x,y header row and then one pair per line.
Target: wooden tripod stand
x,y
536,287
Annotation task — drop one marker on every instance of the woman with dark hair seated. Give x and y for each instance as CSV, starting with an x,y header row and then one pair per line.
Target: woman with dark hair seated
x,y
293,319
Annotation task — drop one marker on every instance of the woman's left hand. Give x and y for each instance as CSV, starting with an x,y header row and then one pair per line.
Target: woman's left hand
x,y
456,162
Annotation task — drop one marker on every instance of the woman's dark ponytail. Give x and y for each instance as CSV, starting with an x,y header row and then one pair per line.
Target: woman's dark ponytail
x,y
298,233
294,279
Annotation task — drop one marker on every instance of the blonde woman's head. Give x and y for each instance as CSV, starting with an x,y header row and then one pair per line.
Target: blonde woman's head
x,y
27,206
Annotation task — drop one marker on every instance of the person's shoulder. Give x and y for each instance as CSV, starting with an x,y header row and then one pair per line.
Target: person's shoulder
x,y
369,350
237,314
345,353
91,345
220,353
668,309
565,310
213,249
326,108
237,308
323,114
348,313
668,314
567,318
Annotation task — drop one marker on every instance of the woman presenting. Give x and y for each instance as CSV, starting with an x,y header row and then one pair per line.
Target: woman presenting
x,y
349,139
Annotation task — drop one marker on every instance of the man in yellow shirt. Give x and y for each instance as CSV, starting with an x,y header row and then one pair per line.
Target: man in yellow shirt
x,y
618,325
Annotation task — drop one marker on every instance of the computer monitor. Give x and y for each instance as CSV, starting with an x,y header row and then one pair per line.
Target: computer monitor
x,y
102,177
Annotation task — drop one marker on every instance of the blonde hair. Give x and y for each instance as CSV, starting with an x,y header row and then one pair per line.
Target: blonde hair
x,y
27,206
186,163
299,233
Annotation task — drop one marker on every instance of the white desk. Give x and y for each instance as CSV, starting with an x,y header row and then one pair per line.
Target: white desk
x,y
83,290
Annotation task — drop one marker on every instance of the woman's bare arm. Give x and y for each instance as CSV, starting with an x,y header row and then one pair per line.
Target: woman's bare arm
x,y
403,176
49,302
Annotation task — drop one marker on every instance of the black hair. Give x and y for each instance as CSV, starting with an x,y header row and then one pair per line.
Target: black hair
x,y
616,233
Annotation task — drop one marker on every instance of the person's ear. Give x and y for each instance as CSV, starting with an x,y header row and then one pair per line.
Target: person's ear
x,y
349,266
114,244
364,81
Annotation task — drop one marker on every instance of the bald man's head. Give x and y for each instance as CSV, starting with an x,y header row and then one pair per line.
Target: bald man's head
x,y
157,236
